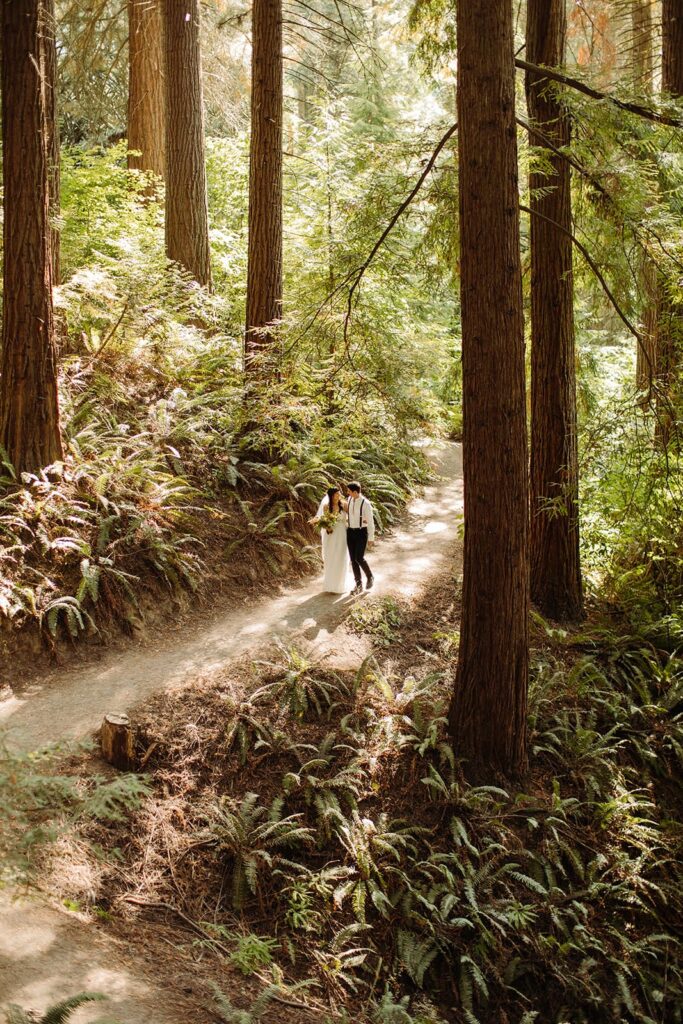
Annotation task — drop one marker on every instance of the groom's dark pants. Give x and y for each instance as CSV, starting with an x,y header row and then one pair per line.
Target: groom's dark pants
x,y
356,541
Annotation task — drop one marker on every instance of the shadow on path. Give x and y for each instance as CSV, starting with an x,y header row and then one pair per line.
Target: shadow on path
x,y
70,704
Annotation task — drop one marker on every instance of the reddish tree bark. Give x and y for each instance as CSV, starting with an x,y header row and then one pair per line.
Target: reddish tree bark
x,y
29,410
49,52
487,716
264,272
146,96
187,217
669,362
555,562
643,72
672,47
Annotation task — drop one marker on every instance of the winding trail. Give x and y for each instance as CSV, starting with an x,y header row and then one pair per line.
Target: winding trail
x,y
70,704
47,953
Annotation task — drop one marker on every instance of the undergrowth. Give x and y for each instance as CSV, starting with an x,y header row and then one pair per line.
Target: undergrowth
x,y
60,1013
38,801
169,494
171,480
343,826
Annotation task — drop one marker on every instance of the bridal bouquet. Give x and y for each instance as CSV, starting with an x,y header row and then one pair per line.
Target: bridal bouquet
x,y
326,521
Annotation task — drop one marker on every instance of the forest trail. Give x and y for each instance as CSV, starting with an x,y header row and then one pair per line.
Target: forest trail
x,y
69,704
48,953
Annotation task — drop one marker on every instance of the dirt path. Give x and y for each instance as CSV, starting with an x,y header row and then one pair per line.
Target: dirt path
x,y
70,704
47,953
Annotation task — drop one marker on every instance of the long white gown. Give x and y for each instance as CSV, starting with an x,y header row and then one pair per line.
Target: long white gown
x,y
335,554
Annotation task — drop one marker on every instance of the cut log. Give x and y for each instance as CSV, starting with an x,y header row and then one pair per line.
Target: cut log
x,y
117,742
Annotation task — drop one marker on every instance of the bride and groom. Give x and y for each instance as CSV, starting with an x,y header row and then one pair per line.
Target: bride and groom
x,y
346,526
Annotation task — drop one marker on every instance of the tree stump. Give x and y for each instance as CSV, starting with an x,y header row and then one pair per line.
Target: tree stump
x,y
116,741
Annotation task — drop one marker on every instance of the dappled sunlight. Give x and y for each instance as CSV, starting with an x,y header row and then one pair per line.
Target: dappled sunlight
x,y
72,704
435,527
47,955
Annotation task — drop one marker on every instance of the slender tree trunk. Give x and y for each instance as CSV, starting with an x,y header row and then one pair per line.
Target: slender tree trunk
x,y
643,72
488,712
646,350
187,218
643,63
672,47
555,565
146,91
29,411
670,313
49,52
264,272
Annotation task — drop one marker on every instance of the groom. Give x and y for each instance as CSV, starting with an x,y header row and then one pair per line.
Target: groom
x,y
361,529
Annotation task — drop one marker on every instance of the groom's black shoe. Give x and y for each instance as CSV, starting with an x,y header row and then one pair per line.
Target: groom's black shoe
x,y
369,583
358,589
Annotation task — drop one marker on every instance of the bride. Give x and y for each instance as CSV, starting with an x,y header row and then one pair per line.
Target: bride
x,y
332,510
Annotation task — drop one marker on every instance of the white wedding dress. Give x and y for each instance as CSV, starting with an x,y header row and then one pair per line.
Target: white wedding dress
x,y
335,553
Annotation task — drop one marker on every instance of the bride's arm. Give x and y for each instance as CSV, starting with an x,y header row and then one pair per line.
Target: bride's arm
x,y
321,509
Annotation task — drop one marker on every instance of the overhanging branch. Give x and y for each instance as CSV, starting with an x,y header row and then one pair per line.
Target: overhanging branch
x,y
574,83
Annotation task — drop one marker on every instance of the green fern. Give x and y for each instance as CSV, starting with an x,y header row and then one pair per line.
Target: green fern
x,y
60,1013
252,837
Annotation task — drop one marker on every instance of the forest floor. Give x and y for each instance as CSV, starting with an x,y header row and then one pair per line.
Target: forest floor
x,y
46,952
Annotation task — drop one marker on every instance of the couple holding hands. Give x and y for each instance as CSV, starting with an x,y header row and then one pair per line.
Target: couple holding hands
x,y
346,526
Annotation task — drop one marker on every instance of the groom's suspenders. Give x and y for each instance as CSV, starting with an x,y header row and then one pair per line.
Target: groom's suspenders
x,y
360,517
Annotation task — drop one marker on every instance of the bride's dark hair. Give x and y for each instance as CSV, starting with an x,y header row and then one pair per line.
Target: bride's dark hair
x,y
331,491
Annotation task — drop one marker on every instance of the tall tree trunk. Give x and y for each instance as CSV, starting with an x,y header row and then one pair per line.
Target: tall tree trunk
x,y
29,411
264,271
146,96
555,565
641,28
643,72
49,53
670,313
672,47
488,711
187,218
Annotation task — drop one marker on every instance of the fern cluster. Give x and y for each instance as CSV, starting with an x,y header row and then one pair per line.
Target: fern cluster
x,y
376,863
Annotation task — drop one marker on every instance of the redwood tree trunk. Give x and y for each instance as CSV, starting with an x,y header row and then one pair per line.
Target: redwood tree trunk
x,y
643,71
29,412
555,565
264,273
187,218
672,47
643,63
49,49
146,100
488,711
670,313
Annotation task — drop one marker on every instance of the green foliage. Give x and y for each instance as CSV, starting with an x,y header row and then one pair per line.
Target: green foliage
x,y
60,1013
251,836
327,786
535,902
163,459
233,1015
404,1011
38,801
298,688
252,953
228,1012
378,619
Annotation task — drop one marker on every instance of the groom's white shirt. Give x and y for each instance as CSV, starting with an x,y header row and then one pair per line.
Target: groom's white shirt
x,y
368,518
